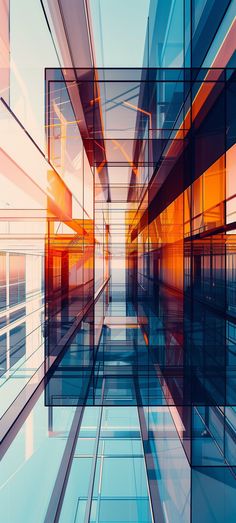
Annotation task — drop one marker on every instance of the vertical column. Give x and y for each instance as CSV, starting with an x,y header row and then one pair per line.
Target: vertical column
x,y
5,50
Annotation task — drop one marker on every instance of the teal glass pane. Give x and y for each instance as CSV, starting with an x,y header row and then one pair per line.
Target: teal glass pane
x,y
77,487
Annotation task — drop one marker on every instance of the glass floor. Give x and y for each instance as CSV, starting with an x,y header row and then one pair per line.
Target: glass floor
x,y
110,462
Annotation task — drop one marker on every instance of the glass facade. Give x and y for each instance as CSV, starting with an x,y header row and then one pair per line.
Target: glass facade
x,y
117,261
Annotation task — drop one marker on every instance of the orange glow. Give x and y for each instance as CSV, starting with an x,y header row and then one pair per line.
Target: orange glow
x,y
126,156
95,100
140,110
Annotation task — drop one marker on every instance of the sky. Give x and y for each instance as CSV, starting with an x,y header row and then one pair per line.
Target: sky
x,y
123,25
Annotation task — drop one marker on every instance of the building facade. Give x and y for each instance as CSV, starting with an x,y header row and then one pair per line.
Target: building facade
x,y
117,261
